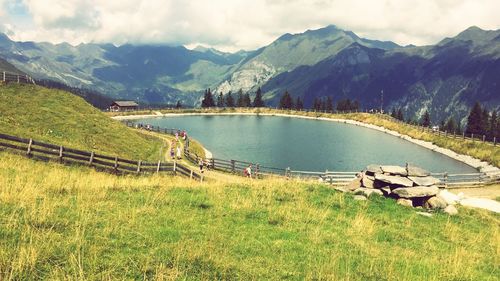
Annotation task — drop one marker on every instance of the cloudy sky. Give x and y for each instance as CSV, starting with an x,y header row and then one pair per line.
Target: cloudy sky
x,y
237,24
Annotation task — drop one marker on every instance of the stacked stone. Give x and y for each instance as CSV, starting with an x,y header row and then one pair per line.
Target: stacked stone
x,y
411,186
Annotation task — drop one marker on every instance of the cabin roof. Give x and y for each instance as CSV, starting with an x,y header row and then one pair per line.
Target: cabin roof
x,y
125,103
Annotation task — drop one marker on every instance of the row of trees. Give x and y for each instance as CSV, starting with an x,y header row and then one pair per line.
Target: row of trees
x,y
319,104
479,122
242,100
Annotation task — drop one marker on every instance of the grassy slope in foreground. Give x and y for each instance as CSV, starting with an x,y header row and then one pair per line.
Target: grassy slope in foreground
x,y
59,222
61,118
476,149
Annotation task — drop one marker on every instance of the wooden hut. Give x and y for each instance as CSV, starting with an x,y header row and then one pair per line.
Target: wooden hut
x,y
123,106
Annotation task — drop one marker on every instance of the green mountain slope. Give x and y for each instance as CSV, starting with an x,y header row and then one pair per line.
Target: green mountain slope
x,y
61,118
7,67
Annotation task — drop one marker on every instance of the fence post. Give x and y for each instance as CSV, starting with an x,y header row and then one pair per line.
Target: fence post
x,y
116,164
29,147
287,172
472,136
257,170
17,79
60,153
233,169
191,175
445,178
494,141
175,167
484,138
158,167
91,158
139,163
4,76
213,163
463,135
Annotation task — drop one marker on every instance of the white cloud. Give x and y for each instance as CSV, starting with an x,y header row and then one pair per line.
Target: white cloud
x,y
236,24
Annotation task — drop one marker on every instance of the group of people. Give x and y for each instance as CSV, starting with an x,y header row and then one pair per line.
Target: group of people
x,y
175,150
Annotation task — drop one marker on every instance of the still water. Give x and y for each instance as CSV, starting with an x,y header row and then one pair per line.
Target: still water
x,y
302,144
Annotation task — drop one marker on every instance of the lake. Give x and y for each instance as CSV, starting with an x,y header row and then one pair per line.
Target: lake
x,y
302,144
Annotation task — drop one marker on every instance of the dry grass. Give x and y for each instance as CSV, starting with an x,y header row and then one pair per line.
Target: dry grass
x,y
59,222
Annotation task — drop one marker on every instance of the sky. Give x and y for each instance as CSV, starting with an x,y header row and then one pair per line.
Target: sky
x,y
231,25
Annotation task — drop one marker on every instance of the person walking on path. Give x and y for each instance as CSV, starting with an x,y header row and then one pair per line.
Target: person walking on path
x,y
200,163
248,171
179,152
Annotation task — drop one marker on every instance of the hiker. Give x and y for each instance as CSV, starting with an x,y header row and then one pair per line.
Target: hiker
x,y
179,153
172,152
200,163
248,171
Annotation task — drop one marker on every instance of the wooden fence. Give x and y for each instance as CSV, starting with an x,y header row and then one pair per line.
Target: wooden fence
x,y
16,78
45,151
332,177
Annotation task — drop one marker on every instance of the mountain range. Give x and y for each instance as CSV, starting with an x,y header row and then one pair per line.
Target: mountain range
x,y
446,78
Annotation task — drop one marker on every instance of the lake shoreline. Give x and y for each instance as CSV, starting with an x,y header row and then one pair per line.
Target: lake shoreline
x,y
477,164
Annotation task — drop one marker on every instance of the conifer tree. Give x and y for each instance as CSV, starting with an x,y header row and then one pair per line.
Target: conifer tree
x,y
229,99
257,101
329,104
286,101
299,105
474,122
208,100
426,119
493,125
394,114
178,105
399,115
317,104
450,126
220,100
239,101
246,100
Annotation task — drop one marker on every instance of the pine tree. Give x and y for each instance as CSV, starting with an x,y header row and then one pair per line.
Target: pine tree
x,y
399,115
239,101
208,100
474,122
257,101
329,104
178,105
286,101
220,100
317,104
246,100
299,105
355,106
485,122
450,126
426,119
229,99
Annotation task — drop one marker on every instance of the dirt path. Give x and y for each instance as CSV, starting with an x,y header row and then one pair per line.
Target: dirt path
x,y
490,192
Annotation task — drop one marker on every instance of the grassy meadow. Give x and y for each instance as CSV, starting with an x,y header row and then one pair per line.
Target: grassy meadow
x,y
61,222
61,118
477,149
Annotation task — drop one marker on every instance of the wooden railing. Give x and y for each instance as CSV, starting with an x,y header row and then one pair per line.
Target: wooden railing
x,y
6,77
45,151
338,178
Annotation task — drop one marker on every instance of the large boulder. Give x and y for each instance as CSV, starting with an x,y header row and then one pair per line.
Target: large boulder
x,y
415,192
448,197
424,181
415,171
368,192
451,210
373,169
405,202
435,203
395,180
394,170
354,184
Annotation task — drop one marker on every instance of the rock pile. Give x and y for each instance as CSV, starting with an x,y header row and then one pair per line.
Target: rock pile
x,y
411,186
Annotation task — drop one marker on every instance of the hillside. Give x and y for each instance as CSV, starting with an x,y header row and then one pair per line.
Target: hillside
x,y
61,118
9,68
61,222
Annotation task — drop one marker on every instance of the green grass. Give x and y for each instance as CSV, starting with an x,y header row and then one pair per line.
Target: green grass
x,y
476,149
59,222
61,118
